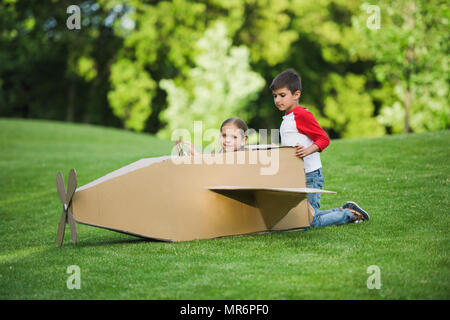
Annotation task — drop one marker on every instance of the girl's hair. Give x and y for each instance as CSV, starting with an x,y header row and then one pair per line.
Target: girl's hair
x,y
238,122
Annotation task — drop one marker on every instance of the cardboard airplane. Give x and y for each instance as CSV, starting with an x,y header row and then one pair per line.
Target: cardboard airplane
x,y
182,198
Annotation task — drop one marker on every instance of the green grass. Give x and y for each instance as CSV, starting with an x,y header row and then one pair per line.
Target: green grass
x,y
402,181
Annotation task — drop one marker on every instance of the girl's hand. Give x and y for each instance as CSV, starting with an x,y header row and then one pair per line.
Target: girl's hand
x,y
189,146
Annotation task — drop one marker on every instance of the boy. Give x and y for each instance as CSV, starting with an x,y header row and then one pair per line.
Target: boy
x,y
299,128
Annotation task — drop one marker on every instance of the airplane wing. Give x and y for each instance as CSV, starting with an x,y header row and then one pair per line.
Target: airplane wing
x,y
273,203
284,190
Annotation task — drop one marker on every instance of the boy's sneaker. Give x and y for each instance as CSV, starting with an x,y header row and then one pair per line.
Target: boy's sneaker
x,y
355,207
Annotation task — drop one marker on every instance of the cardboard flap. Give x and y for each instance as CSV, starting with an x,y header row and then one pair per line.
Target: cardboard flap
x,y
273,203
245,189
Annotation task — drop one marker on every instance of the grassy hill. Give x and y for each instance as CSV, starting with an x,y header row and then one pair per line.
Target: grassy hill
x,y
403,181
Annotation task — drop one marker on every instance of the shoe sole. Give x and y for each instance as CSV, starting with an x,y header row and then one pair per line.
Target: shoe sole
x,y
356,207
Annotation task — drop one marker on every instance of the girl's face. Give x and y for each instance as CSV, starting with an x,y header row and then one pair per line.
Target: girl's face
x,y
232,138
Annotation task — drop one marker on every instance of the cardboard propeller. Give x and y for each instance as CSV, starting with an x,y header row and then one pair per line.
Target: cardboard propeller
x,y
66,199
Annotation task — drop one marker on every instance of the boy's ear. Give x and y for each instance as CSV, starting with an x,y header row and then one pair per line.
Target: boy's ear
x,y
297,94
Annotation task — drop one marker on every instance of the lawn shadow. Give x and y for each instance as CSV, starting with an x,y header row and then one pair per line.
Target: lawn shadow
x,y
113,241
92,242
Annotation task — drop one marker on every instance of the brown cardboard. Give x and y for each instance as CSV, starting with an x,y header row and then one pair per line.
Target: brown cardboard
x,y
158,198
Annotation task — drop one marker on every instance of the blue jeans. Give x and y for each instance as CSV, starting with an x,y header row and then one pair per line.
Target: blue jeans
x,y
325,218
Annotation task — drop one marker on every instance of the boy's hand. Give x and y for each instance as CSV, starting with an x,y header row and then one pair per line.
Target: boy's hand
x,y
301,151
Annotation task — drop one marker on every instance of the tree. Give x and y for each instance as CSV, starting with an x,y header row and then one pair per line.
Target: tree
x,y
323,53
131,94
49,71
220,85
109,72
411,55
349,108
158,41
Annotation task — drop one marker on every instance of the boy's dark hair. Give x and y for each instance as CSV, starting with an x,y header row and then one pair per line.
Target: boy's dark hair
x,y
287,79
238,122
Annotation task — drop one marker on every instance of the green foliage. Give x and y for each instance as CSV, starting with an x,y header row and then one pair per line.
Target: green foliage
x,y
411,54
266,30
131,94
218,87
349,108
166,31
86,68
328,22
48,71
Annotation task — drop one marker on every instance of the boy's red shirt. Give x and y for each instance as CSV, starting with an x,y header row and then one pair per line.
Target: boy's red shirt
x,y
307,124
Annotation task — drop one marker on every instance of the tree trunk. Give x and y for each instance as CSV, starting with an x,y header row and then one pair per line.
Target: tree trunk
x,y
71,101
409,18
408,94
407,109
91,106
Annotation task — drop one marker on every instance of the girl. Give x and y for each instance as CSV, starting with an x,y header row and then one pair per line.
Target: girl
x,y
233,137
